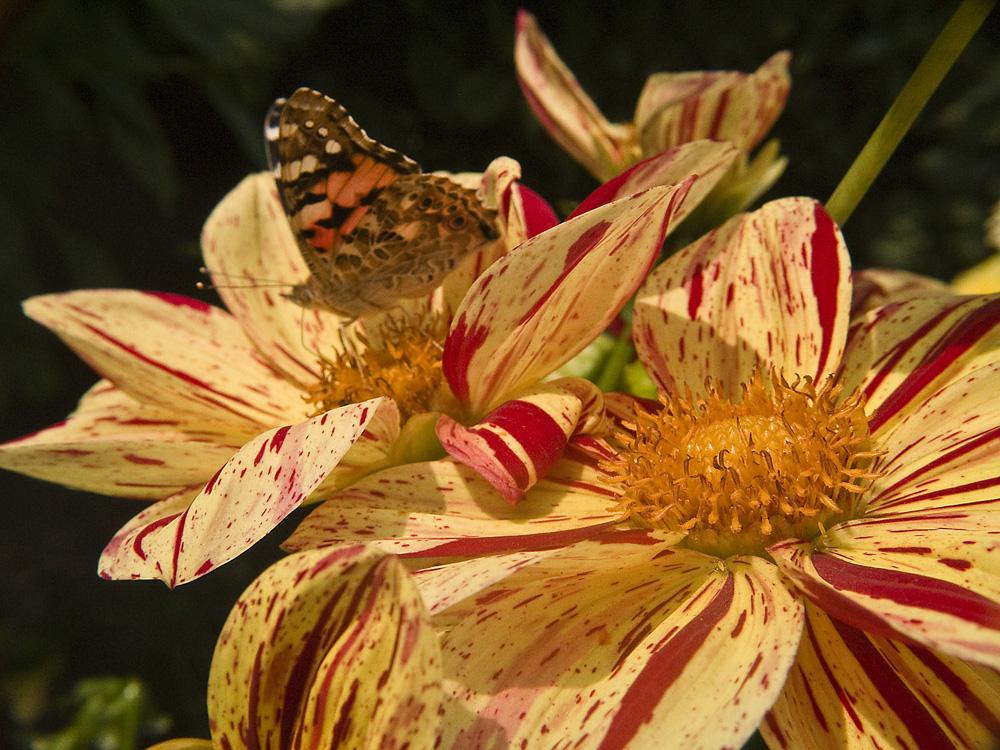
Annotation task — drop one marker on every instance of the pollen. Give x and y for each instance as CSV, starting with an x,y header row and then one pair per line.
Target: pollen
x,y
400,359
788,460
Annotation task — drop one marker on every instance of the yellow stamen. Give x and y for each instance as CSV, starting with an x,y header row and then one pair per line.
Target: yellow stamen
x,y
401,359
787,461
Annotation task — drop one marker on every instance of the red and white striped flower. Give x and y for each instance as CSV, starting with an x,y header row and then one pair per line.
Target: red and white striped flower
x,y
801,538
204,410
673,108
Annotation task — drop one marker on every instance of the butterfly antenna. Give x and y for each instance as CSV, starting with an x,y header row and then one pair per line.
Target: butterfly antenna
x,y
247,282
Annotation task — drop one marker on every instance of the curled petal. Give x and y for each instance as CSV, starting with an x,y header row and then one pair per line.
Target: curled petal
x,y
675,108
327,649
769,288
114,445
534,309
266,479
707,159
173,353
518,442
254,260
566,112
852,689
900,596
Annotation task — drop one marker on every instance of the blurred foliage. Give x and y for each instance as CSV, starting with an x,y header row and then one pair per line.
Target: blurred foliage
x,y
125,122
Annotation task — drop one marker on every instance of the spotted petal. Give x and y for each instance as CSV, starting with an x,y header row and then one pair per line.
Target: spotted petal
x,y
675,108
173,353
918,593
266,479
769,288
534,309
517,443
565,111
875,287
327,649
617,670
443,509
119,446
849,689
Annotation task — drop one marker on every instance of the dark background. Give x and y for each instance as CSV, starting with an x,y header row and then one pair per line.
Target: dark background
x,y
123,123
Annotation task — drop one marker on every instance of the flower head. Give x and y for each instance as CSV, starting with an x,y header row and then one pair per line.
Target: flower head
x,y
232,420
798,537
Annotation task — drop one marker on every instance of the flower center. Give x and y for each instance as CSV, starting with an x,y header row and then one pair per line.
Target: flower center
x,y
787,461
400,359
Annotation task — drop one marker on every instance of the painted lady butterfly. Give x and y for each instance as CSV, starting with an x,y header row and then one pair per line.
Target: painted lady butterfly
x,y
372,227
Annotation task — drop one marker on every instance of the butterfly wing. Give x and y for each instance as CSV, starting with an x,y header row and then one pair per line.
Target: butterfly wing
x,y
372,228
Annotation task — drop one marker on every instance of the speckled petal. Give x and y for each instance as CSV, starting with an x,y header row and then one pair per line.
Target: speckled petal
x,y
875,287
899,584
267,479
675,108
769,288
327,649
443,509
901,354
174,353
852,690
618,642
543,302
565,111
254,260
113,445
941,452
517,443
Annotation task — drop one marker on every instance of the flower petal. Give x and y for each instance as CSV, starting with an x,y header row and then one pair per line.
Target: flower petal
x,y
901,354
327,649
875,287
675,108
909,594
707,159
267,479
849,689
942,452
113,445
565,111
254,260
617,670
534,309
443,509
518,442
769,288
174,353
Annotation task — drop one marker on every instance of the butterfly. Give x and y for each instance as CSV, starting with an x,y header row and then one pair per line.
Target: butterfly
x,y
372,227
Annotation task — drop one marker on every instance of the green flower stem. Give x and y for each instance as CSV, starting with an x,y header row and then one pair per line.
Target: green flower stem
x,y
613,368
925,79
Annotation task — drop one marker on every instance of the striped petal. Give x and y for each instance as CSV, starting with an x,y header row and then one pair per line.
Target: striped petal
x,y
849,689
875,287
534,309
173,353
770,288
443,509
901,354
185,744
517,443
254,260
113,445
565,111
675,108
942,452
269,477
327,649
938,598
707,159
640,628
